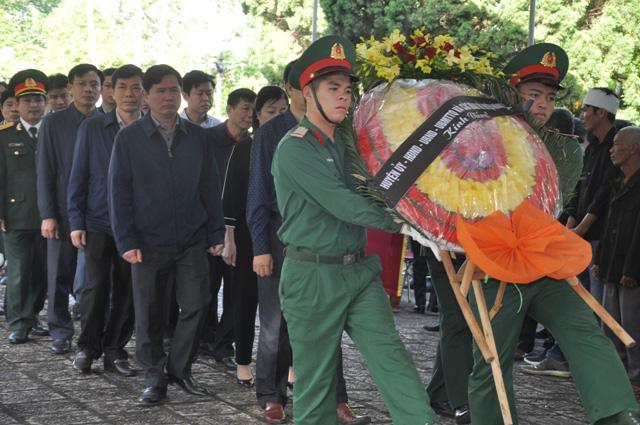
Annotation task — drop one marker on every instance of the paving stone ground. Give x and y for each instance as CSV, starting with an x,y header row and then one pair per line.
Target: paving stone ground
x,y
39,387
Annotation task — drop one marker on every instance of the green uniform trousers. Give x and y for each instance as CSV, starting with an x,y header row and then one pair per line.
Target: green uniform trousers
x,y
595,366
454,358
319,301
26,252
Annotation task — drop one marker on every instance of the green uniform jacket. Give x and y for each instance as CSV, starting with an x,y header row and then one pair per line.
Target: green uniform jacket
x,y
618,253
321,212
18,193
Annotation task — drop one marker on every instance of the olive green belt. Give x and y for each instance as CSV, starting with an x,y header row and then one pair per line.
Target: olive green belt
x,y
344,260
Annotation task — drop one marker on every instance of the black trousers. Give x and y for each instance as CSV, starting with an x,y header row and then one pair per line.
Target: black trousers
x,y
274,350
222,335
192,294
107,300
420,271
245,294
62,258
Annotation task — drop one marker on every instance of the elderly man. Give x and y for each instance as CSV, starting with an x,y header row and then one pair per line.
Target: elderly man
x,y
616,262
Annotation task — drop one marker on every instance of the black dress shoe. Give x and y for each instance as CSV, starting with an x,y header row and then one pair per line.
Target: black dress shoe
x,y
61,346
152,396
190,385
462,414
418,309
246,383
434,328
18,337
83,361
121,367
442,408
75,312
39,330
227,362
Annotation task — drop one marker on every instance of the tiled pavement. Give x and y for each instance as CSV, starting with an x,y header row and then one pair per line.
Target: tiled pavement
x,y
38,387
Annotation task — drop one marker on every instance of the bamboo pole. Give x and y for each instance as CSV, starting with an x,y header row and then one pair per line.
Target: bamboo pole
x,y
495,363
498,302
601,312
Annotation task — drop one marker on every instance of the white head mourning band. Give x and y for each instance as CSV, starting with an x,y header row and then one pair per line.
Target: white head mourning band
x,y
600,99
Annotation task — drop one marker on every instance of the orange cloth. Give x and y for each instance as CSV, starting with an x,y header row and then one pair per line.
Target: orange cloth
x,y
529,246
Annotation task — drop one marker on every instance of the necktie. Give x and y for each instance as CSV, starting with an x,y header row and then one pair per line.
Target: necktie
x,y
34,132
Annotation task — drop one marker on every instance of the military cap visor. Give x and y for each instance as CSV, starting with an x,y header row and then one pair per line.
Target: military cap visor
x,y
327,55
29,81
545,63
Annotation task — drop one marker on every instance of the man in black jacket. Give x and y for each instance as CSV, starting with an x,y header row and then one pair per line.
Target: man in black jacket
x,y
165,211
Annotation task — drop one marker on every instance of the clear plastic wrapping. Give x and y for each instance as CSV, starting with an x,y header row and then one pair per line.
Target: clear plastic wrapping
x,y
491,165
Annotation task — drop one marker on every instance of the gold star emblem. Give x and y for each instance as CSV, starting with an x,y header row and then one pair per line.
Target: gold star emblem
x,y
30,82
337,51
549,60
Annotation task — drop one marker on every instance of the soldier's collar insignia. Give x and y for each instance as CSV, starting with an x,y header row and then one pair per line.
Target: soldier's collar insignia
x,y
19,126
318,137
6,125
337,51
549,60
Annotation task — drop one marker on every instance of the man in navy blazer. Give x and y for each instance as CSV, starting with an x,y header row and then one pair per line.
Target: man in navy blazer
x,y
166,213
91,231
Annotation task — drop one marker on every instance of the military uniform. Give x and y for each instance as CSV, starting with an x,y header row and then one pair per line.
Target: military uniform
x,y
596,368
328,284
26,249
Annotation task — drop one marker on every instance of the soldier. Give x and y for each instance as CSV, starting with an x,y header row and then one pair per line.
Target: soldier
x,y
596,368
19,216
328,284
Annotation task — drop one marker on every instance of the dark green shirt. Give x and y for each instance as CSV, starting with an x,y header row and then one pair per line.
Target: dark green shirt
x,y
18,192
618,253
321,213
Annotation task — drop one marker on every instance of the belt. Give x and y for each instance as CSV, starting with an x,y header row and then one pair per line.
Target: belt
x,y
344,260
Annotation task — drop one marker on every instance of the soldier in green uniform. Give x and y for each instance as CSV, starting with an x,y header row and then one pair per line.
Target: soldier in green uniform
x,y
596,367
26,249
328,284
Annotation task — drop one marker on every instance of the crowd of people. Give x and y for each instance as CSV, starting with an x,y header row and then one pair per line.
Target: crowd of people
x,y
139,213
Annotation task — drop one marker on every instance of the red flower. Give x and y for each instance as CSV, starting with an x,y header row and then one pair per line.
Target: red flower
x,y
456,54
430,52
447,46
400,49
420,40
412,42
410,58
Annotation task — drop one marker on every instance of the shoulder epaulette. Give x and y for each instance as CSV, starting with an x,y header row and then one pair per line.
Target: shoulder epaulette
x,y
7,125
300,131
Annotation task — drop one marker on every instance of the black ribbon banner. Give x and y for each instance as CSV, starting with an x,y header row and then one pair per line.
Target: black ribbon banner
x,y
422,147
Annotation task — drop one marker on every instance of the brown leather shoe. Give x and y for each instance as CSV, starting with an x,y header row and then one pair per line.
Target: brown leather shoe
x,y
274,413
347,416
121,367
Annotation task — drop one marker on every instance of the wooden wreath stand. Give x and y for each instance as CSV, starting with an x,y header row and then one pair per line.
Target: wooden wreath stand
x,y
469,274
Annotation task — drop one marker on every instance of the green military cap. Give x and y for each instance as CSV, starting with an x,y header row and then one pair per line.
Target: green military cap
x,y
544,63
328,54
29,81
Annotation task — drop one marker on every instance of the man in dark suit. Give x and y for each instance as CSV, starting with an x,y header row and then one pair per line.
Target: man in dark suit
x,y
19,217
165,211
56,142
108,275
